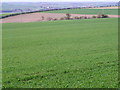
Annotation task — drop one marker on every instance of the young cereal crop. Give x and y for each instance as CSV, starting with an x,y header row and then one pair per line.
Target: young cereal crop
x,y
61,54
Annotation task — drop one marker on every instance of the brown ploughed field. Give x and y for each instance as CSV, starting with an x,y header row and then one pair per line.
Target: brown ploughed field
x,y
36,17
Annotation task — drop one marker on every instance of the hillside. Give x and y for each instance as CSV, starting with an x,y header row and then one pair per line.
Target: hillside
x,y
61,54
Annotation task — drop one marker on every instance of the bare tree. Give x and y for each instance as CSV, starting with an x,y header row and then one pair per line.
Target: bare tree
x,y
42,17
85,17
62,18
68,16
80,17
102,16
49,19
94,17
55,19
76,17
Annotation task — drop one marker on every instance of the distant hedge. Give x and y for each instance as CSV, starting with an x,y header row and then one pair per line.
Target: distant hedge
x,y
30,12
1,17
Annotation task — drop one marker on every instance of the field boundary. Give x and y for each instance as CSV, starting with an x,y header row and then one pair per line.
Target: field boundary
x,y
15,14
38,17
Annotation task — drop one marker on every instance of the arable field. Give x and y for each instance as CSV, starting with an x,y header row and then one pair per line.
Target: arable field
x,y
61,54
5,14
87,11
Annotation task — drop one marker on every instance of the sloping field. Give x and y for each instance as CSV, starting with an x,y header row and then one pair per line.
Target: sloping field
x,y
37,17
88,11
5,14
61,54
115,7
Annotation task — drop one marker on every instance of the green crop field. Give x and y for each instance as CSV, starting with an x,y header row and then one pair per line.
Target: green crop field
x,y
87,11
5,14
61,54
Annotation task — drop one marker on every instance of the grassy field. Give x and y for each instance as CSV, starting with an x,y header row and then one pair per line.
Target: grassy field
x,y
61,54
87,11
5,14
81,11
0,56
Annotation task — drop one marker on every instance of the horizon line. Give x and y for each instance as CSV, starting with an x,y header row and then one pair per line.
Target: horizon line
x,y
60,1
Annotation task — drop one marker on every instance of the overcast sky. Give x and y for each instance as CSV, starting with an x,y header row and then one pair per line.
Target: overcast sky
x,y
58,0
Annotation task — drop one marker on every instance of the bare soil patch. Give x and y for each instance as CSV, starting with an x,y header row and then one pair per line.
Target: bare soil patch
x,y
36,17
